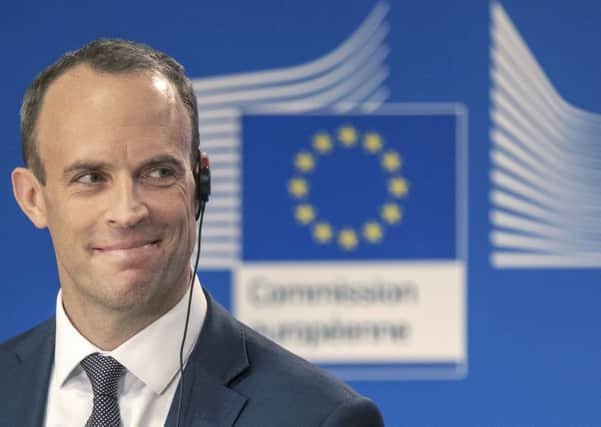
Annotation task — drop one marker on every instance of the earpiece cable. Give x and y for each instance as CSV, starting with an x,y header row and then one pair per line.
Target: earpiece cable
x,y
181,349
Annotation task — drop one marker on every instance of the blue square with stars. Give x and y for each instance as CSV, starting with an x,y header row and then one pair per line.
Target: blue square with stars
x,y
349,187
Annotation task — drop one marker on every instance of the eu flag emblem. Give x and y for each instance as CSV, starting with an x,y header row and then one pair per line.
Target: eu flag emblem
x,y
349,187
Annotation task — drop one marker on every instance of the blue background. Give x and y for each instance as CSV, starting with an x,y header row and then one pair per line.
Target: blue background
x,y
534,345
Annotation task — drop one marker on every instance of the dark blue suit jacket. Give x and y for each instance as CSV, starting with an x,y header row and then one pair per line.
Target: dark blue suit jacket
x,y
234,377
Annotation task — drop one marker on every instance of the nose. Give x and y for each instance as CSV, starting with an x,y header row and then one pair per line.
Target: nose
x,y
127,208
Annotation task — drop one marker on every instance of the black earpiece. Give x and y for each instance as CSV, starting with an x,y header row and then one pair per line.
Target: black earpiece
x,y
203,181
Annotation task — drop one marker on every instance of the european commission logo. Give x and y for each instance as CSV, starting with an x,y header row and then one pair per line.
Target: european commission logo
x,y
340,219
354,238
545,175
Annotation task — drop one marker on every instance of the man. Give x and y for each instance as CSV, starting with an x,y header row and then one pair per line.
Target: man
x,y
110,144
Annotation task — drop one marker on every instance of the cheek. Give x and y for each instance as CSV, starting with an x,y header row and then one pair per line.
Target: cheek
x,y
177,221
173,206
67,219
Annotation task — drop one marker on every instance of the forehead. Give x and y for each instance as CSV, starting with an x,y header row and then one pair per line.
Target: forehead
x,y
87,105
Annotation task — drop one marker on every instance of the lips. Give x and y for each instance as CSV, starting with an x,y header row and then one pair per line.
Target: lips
x,y
128,254
127,245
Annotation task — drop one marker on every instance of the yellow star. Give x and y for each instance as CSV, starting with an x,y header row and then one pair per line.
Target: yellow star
x,y
322,143
304,213
391,161
304,162
398,186
372,142
391,213
372,231
347,135
298,187
322,232
347,238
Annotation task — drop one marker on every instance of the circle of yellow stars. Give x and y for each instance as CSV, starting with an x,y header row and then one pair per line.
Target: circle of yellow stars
x,y
371,231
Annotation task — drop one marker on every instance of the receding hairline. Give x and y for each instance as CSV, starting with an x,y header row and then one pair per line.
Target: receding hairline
x,y
89,68
111,56
86,66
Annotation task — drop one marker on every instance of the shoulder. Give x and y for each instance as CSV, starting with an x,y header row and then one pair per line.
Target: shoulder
x,y
276,387
18,347
295,392
25,362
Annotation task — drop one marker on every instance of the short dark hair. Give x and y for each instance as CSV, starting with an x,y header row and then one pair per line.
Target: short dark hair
x,y
111,56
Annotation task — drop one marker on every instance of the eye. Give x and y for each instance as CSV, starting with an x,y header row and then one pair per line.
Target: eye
x,y
161,176
90,178
161,173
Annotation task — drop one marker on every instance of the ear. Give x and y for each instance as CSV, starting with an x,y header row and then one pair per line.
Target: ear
x,y
28,193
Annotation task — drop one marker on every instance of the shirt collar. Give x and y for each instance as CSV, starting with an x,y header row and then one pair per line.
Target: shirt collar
x,y
152,355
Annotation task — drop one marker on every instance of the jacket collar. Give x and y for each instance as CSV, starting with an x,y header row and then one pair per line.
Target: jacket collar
x,y
35,353
220,356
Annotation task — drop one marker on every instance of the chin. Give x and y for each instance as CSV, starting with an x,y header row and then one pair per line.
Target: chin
x,y
131,288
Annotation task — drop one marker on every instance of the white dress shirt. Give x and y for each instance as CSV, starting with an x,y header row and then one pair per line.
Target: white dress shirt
x,y
151,360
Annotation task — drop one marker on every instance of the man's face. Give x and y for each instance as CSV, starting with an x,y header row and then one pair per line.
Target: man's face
x,y
119,192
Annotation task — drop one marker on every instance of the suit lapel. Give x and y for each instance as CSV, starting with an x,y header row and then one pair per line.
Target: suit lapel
x,y
35,354
207,404
218,358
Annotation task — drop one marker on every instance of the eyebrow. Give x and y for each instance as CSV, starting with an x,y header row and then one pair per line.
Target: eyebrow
x,y
91,165
163,159
83,165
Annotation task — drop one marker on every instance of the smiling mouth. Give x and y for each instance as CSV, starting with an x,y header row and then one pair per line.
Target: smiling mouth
x,y
124,247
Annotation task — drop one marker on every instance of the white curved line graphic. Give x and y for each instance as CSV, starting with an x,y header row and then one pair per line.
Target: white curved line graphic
x,y
372,54
545,164
373,21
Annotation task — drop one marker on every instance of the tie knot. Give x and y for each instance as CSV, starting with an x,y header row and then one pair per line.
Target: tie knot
x,y
104,373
